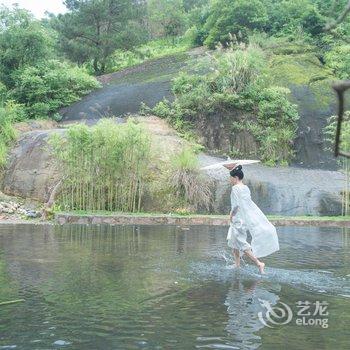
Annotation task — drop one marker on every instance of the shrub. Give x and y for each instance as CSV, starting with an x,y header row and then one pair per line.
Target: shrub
x,y
235,18
277,124
330,130
45,88
338,58
236,69
3,91
9,113
198,15
287,17
274,109
231,80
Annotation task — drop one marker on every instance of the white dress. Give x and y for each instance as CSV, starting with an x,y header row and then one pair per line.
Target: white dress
x,y
250,218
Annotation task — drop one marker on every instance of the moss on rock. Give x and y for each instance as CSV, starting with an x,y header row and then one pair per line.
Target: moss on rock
x,y
311,90
299,69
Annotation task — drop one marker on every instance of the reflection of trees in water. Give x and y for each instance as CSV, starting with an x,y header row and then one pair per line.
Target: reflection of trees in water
x,y
35,255
345,236
345,232
243,305
135,239
81,277
26,261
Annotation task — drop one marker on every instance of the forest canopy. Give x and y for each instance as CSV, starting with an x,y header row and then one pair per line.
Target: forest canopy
x,y
98,36
50,63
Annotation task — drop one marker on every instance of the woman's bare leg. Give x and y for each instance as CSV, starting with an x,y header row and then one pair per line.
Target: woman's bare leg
x,y
258,263
237,257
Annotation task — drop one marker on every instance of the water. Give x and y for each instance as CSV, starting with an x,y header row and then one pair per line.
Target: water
x,y
104,287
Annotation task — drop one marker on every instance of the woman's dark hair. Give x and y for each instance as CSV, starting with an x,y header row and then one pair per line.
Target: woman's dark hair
x,y
237,171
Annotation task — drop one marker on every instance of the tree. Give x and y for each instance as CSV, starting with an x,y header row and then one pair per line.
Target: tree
x,y
23,41
286,17
197,18
94,29
342,16
167,17
234,17
191,4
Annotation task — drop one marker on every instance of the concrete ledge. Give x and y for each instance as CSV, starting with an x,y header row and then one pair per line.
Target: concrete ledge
x,y
125,219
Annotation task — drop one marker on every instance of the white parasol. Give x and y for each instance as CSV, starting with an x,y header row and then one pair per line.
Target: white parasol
x,y
230,164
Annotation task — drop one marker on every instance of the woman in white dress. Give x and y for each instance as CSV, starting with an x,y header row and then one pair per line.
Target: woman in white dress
x,y
246,216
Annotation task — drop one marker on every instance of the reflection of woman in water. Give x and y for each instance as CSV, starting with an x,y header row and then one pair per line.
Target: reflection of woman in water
x,y
246,216
243,302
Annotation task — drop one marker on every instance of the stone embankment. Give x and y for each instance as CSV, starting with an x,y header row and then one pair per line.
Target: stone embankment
x,y
183,221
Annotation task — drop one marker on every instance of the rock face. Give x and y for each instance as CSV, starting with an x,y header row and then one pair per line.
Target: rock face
x,y
310,86
283,190
32,172
124,91
298,69
311,90
31,169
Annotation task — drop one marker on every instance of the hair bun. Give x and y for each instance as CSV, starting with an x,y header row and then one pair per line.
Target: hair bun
x,y
237,171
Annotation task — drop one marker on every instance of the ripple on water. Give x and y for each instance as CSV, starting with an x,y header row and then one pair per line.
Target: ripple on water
x,y
316,281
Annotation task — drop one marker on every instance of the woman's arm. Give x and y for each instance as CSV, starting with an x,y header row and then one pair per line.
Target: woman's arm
x,y
234,204
233,212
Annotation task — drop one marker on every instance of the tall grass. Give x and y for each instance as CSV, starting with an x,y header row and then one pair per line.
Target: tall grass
x,y
105,166
190,186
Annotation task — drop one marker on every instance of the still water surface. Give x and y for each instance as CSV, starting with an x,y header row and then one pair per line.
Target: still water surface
x,y
160,287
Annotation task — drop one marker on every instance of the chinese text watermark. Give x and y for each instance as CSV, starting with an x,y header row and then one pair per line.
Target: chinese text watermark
x,y
307,313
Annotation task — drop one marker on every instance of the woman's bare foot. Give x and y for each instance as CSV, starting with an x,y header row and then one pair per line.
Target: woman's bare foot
x,y
261,267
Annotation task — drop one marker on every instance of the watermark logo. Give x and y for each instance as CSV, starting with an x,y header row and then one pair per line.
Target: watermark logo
x,y
308,314
275,315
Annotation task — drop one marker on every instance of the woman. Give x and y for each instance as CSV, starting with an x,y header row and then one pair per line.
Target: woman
x,y
246,216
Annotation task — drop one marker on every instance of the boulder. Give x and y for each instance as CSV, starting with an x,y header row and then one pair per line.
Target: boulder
x,y
31,170
283,190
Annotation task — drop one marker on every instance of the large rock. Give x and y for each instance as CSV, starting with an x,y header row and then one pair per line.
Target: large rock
x,y
124,91
31,170
310,83
297,68
283,190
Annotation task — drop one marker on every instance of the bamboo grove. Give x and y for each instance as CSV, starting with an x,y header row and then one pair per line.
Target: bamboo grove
x,y
104,166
